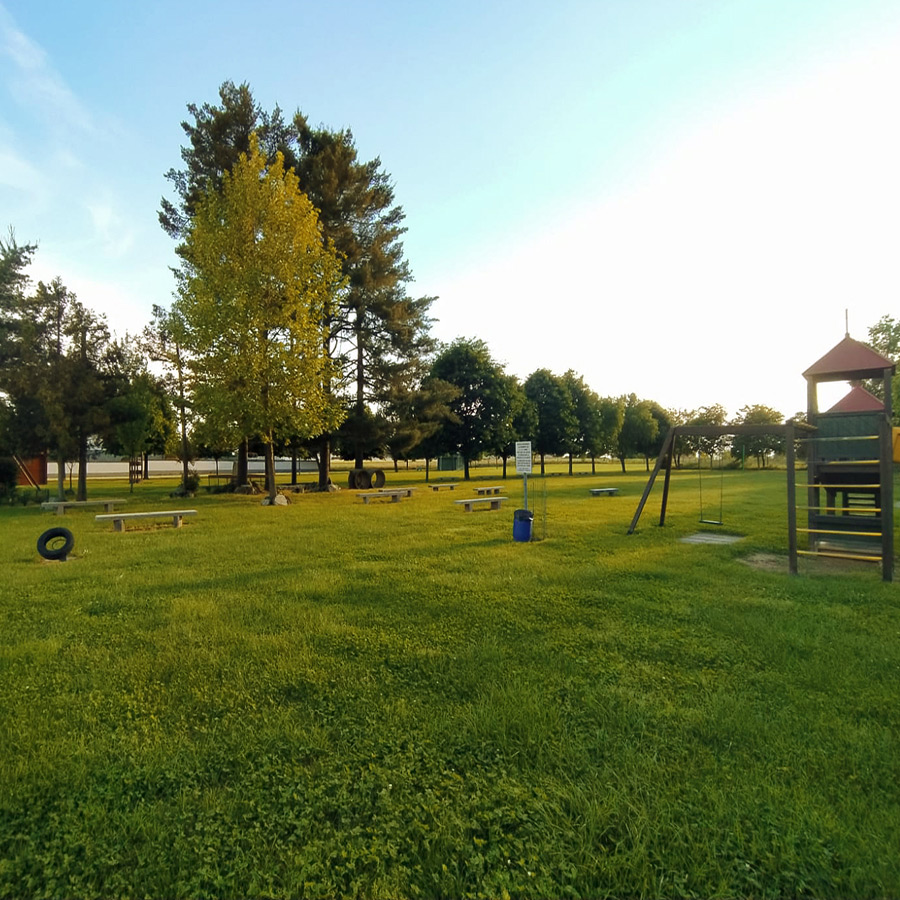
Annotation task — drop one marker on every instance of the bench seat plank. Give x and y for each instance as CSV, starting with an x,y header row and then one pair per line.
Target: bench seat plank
x,y
118,519
472,502
394,495
60,506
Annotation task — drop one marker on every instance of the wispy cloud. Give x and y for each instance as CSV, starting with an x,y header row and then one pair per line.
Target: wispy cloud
x,y
34,84
111,229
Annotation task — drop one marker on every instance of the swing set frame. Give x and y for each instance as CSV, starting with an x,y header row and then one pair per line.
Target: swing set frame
x,y
787,431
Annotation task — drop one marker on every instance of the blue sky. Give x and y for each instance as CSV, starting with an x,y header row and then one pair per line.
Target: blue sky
x,y
677,198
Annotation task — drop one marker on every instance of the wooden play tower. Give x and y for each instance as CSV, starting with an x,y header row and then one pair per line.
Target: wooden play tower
x,y
850,495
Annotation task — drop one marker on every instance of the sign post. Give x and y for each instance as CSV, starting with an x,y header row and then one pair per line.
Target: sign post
x,y
523,465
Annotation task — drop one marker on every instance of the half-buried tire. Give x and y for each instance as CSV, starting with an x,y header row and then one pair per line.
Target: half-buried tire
x,y
56,543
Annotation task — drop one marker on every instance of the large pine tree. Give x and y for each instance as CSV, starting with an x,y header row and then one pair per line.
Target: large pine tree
x,y
376,330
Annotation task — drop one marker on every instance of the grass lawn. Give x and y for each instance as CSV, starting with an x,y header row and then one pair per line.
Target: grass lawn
x,y
392,700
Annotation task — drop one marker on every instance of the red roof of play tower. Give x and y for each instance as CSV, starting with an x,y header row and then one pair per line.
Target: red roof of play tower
x,y
858,400
849,360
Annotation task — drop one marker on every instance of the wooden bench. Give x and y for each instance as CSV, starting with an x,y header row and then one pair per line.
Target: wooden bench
x,y
118,519
62,505
472,502
600,492
445,484
481,491
394,495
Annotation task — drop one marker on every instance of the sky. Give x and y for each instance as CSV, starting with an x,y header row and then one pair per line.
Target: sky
x,y
688,200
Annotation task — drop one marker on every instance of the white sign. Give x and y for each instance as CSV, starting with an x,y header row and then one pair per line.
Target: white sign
x,y
523,457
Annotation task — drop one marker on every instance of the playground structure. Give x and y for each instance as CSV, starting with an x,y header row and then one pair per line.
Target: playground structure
x,y
850,502
849,484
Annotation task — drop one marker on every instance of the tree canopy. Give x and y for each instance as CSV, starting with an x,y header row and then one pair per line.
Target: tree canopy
x,y
257,287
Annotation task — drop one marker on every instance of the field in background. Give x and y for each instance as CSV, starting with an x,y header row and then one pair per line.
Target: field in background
x,y
398,700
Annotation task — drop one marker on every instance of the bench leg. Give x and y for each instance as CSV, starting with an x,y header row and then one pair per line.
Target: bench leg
x,y
176,521
118,524
495,504
395,498
60,510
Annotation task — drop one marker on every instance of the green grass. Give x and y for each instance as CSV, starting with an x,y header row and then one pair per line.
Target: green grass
x,y
397,700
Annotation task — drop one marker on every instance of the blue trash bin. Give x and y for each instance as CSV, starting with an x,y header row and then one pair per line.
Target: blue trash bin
x,y
522,525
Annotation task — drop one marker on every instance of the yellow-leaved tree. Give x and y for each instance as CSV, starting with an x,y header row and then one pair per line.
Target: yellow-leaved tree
x,y
255,291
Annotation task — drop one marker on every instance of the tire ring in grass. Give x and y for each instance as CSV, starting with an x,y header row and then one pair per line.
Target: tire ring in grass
x,y
351,479
56,543
363,479
378,478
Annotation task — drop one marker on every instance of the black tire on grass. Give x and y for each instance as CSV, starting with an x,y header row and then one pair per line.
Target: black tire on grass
x,y
56,543
363,479
378,478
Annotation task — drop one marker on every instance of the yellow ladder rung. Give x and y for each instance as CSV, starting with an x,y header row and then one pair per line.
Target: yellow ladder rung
x,y
847,437
839,555
849,510
828,486
838,531
848,462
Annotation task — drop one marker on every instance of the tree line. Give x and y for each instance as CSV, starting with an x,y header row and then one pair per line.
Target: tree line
x,y
293,332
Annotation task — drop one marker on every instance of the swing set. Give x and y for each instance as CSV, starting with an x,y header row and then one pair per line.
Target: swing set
x,y
664,460
703,519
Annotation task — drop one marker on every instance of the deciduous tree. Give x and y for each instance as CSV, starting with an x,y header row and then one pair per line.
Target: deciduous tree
x,y
480,405
557,425
760,447
257,286
638,431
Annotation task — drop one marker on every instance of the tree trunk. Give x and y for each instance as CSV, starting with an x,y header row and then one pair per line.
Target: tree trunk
x,y
270,470
82,469
146,465
325,462
504,467
466,468
360,390
593,464
622,461
570,463
427,468
182,410
60,476
542,463
243,470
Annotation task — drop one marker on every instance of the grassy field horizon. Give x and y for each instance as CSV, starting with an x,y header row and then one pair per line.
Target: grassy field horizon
x,y
338,699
